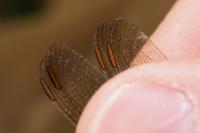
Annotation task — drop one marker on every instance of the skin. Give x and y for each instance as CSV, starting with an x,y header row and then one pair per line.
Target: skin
x,y
158,97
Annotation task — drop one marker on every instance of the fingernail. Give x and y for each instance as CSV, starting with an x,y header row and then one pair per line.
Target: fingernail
x,y
145,109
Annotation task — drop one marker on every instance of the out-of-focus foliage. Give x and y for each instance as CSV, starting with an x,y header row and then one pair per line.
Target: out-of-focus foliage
x,y
16,8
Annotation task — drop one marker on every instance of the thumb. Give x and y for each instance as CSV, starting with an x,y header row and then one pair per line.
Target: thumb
x,y
152,98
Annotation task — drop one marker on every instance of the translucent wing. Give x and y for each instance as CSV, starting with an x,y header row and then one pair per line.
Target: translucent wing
x,y
102,41
69,79
122,44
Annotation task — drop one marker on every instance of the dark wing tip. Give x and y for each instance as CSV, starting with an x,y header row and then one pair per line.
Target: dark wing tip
x,y
43,82
101,34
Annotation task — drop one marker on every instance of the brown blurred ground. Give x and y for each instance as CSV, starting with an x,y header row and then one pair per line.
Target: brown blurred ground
x,y
24,107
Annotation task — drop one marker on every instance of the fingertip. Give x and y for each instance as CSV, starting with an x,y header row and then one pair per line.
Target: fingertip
x,y
178,34
130,103
138,109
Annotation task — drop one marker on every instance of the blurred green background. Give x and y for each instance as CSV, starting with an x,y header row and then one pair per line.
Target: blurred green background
x,y
27,27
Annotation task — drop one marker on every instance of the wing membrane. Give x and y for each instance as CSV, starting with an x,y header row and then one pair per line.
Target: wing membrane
x,y
124,45
102,40
69,79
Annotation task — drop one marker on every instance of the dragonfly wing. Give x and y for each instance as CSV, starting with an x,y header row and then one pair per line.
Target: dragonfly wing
x,y
69,79
101,41
127,42
125,45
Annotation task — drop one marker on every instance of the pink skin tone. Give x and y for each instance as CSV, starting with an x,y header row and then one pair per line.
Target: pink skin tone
x,y
155,98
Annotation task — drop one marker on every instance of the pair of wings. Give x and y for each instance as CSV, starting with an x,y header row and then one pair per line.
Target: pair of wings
x,y
70,79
